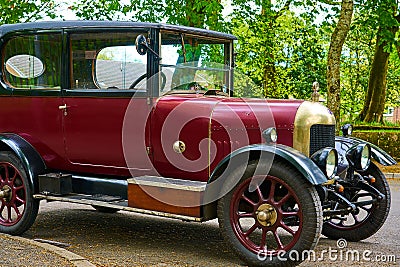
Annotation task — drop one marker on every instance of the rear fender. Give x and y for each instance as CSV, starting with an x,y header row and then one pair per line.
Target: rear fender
x,y
30,158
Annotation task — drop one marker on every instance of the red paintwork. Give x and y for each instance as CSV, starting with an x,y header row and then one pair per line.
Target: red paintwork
x,y
169,115
39,121
235,122
92,139
93,134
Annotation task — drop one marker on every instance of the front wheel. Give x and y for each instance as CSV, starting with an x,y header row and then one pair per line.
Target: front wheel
x,y
368,218
18,209
270,219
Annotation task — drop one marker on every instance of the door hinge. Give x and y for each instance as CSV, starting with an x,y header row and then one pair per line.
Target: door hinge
x,y
148,149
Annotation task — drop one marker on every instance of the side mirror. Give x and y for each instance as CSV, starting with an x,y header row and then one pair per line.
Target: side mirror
x,y
141,45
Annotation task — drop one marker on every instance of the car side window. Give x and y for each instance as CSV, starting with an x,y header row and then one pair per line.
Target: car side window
x,y
107,61
33,61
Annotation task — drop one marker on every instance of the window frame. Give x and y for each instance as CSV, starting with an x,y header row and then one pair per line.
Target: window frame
x,y
12,90
228,53
68,91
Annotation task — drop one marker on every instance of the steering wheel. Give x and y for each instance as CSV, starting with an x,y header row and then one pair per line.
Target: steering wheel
x,y
144,76
195,86
191,86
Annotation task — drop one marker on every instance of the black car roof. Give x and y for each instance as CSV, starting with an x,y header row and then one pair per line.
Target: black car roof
x,y
87,24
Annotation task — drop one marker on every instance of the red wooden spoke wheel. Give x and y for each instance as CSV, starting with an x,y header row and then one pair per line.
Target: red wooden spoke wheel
x,y
266,213
13,194
268,216
18,208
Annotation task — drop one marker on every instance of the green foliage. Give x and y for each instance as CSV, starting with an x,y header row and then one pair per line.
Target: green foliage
x,y
202,14
393,92
289,46
14,11
99,9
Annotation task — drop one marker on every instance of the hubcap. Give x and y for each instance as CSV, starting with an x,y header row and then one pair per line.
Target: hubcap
x,y
266,215
6,193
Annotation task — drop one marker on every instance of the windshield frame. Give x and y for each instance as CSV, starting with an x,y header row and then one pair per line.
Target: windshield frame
x,y
228,61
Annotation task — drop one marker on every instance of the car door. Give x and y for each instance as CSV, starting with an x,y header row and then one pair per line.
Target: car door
x,y
31,80
104,116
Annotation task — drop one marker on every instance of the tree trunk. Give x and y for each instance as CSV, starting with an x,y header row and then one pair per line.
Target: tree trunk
x,y
335,51
374,103
269,80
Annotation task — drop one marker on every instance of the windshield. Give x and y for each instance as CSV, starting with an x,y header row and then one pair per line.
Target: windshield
x,y
192,64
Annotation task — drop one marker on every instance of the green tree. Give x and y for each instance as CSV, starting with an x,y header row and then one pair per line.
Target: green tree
x,y
99,9
256,27
355,67
202,14
384,17
334,56
14,11
282,51
194,13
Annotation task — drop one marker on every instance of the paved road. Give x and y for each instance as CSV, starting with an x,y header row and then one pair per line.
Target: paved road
x,y
127,239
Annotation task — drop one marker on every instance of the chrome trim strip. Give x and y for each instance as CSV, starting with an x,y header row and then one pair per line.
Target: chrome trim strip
x,y
163,182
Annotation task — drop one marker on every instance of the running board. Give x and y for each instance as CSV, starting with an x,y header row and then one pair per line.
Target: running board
x,y
113,204
169,195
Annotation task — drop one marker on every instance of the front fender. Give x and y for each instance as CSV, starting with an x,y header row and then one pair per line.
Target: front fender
x,y
342,144
299,161
30,158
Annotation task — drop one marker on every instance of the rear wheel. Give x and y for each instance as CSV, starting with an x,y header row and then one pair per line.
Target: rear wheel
x,y
266,217
368,218
18,208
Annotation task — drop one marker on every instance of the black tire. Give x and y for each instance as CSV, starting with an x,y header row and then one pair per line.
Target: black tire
x,y
104,209
19,209
370,220
292,190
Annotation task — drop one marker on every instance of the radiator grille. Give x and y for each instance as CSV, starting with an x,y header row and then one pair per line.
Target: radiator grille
x,y
321,136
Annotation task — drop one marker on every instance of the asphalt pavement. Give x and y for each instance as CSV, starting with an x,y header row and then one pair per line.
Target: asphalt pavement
x,y
124,239
20,251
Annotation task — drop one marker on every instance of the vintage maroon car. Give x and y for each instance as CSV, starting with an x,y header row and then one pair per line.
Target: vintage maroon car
x,y
143,117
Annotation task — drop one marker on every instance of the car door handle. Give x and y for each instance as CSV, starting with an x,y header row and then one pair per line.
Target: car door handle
x,y
62,107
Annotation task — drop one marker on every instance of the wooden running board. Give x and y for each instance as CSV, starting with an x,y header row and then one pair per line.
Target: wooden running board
x,y
167,195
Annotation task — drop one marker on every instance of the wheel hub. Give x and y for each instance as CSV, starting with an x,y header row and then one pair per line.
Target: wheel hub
x,y
6,193
266,215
